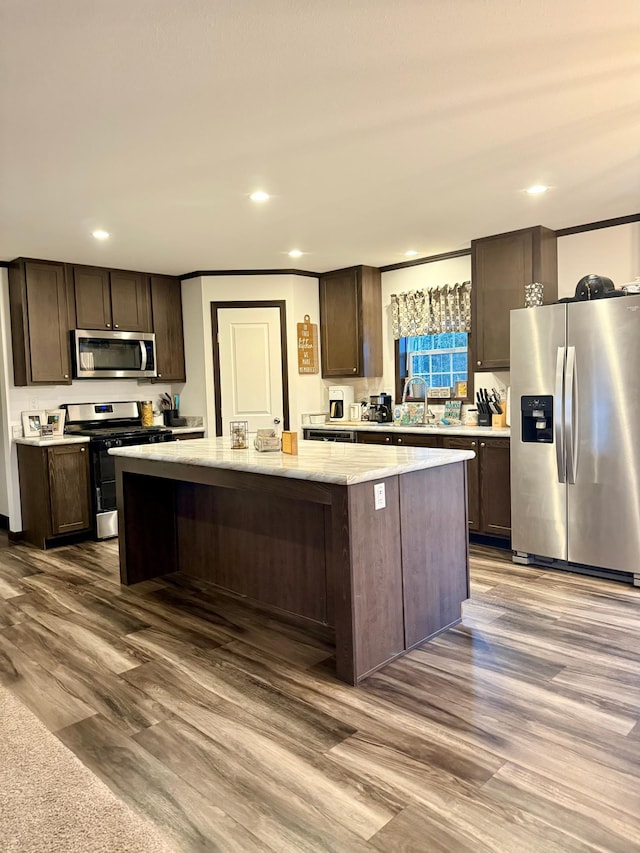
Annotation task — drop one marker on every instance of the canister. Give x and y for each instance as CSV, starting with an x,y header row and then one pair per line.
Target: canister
x,y
146,413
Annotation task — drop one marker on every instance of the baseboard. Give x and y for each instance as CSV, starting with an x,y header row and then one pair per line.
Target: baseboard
x,y
4,522
15,536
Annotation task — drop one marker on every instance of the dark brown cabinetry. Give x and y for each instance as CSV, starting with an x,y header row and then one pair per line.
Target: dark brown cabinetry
x,y
54,491
407,439
187,436
39,323
166,309
351,322
111,299
488,483
495,498
501,266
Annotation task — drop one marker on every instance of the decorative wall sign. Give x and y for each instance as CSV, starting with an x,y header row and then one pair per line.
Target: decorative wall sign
x,y
308,346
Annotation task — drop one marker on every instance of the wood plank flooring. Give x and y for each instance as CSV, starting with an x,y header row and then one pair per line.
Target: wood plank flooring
x,y
519,730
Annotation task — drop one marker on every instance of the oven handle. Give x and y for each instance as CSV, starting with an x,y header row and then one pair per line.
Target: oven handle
x,y
143,350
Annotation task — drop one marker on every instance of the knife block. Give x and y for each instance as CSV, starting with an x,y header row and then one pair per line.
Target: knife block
x,y
172,418
499,421
484,418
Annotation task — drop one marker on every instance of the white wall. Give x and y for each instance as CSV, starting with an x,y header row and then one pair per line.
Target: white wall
x,y
612,252
300,293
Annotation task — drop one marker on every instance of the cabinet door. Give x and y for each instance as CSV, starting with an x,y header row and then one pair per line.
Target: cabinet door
x,y
341,324
495,460
374,438
93,305
130,309
69,488
166,308
473,475
187,436
48,335
501,266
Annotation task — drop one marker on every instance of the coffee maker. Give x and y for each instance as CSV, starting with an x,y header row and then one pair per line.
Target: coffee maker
x,y
380,410
340,399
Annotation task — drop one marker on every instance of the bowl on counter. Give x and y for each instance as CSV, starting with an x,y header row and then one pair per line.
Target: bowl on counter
x,y
317,419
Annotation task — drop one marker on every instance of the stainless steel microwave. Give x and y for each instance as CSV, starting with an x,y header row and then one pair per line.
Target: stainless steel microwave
x,y
113,355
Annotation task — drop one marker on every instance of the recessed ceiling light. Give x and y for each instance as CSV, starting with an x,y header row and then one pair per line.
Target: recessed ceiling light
x,y
259,195
101,235
410,253
295,253
537,189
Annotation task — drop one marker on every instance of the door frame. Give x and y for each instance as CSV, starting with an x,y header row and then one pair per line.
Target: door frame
x,y
215,328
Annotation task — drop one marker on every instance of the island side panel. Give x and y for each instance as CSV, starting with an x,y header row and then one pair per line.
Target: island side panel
x,y
264,546
146,526
435,549
368,600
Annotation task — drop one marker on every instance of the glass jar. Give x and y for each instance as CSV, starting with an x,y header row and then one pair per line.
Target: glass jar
x,y
146,413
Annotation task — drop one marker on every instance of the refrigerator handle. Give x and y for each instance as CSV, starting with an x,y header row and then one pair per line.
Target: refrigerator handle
x,y
571,415
557,415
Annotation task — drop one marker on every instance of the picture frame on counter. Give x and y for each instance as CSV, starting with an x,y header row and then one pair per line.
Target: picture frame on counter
x,y
55,418
32,423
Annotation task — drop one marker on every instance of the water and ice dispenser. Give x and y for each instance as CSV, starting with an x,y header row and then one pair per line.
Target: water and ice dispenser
x,y
537,418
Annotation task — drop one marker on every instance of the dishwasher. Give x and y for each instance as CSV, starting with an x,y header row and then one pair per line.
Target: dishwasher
x,y
343,435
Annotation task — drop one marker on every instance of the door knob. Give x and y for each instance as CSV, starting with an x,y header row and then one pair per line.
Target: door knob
x,y
276,420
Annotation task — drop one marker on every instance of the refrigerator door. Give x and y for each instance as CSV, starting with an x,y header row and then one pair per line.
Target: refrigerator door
x,y
538,491
604,500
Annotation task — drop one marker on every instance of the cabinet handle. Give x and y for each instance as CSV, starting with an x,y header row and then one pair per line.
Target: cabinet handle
x,y
108,325
82,449
399,441
116,326
159,376
473,444
355,370
478,363
388,439
66,376
482,444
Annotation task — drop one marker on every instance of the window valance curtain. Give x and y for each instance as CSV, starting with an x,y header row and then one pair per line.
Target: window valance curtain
x,y
432,311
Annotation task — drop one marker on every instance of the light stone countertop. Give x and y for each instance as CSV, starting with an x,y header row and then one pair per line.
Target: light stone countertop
x,y
364,426
37,441
325,462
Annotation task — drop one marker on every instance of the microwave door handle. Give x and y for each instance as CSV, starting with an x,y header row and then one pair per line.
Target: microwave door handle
x,y
557,415
571,415
143,350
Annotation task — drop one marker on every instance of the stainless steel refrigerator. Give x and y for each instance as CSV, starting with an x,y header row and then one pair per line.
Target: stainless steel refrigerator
x,y
575,436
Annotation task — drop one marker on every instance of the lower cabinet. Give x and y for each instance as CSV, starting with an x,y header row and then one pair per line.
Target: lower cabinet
x,y
488,483
408,439
488,474
55,492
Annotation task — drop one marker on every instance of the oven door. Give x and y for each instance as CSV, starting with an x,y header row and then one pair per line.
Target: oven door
x,y
103,473
113,355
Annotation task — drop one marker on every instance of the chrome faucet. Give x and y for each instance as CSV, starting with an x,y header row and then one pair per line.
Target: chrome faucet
x,y
428,414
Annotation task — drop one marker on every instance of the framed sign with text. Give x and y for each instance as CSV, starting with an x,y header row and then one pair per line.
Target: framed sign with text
x,y
308,346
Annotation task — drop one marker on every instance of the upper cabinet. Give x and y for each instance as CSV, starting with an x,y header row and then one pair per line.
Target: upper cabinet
x,y
39,323
111,299
351,322
501,266
166,308
48,299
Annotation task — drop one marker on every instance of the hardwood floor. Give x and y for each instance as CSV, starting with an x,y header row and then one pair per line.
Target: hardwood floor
x,y
519,730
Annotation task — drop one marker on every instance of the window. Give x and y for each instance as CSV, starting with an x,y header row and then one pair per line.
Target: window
x,y
441,360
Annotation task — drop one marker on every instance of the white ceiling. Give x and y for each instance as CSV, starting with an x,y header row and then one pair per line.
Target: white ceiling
x,y
378,125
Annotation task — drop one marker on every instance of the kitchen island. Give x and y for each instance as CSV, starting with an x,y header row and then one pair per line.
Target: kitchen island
x,y
369,542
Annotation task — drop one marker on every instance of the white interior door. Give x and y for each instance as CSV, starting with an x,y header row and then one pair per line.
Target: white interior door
x,y
250,350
